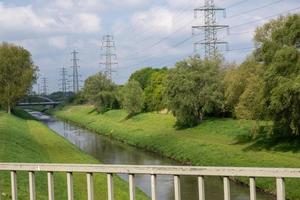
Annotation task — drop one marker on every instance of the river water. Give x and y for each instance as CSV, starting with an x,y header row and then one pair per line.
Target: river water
x,y
109,151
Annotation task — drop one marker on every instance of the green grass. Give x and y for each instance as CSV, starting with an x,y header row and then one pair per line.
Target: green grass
x,y
29,141
213,143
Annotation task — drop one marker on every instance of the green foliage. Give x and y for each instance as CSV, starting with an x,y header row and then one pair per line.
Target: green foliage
x,y
277,49
271,37
132,97
77,99
243,88
154,92
282,91
213,143
17,74
143,76
28,141
193,89
101,92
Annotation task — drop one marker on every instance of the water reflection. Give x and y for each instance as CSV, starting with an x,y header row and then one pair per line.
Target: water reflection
x,y
113,152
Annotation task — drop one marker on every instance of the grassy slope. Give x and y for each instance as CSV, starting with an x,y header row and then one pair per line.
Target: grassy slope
x,y
31,142
211,143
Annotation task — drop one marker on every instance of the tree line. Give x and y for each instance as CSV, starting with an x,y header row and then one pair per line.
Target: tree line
x,y
266,86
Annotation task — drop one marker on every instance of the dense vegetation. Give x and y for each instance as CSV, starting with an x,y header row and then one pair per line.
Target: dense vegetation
x,y
216,142
266,86
17,74
29,141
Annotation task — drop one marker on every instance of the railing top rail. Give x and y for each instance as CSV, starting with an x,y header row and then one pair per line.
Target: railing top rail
x,y
160,170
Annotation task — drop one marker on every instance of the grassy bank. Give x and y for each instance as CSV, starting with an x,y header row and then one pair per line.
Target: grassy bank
x,y
29,141
214,142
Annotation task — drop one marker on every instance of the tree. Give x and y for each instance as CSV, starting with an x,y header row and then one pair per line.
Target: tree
x,y
193,89
282,91
101,92
154,92
272,36
243,86
17,74
143,76
132,97
277,50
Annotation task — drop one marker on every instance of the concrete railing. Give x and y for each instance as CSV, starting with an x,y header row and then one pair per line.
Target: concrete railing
x,y
225,172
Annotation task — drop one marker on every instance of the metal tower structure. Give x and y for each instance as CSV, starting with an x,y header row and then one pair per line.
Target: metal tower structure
x,y
210,28
75,76
38,89
64,80
109,57
44,86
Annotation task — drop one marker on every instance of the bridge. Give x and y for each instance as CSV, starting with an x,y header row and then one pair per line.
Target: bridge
x,y
279,175
47,102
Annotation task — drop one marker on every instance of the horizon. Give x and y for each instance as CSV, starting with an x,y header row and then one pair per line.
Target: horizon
x,y
157,33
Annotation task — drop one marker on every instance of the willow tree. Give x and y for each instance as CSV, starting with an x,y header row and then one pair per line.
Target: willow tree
x,y
277,43
193,90
17,74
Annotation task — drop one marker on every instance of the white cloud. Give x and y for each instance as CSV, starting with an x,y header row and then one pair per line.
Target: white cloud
x,y
157,20
23,20
78,5
58,42
128,3
88,22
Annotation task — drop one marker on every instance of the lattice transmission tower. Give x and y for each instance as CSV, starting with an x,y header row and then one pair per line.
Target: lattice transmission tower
x,y
64,80
210,28
75,75
44,86
109,57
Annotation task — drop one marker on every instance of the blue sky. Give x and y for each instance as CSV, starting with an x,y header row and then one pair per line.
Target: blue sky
x,y
146,32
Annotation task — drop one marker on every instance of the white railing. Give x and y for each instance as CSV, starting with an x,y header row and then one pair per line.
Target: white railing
x,y
278,173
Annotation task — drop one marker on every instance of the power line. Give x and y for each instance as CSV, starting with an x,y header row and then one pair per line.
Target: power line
x,y
237,4
184,25
267,17
254,9
236,26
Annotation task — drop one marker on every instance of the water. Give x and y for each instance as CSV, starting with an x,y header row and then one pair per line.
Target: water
x,y
109,151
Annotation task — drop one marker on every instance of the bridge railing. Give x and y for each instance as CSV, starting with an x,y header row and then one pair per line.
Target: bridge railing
x,y
279,174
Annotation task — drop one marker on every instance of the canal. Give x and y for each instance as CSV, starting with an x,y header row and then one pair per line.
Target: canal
x,y
109,151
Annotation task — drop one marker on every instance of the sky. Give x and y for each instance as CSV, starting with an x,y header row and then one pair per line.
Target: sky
x,y
153,33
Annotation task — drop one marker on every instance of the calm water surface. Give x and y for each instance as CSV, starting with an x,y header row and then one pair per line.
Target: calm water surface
x,y
109,151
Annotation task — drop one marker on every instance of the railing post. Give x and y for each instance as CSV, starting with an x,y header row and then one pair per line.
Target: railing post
x,y
252,189
201,188
32,185
177,187
280,188
110,187
50,186
153,186
90,186
70,185
226,184
131,187
14,190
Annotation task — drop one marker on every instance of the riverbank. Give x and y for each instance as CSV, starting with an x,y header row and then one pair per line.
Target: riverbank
x,y
213,143
23,139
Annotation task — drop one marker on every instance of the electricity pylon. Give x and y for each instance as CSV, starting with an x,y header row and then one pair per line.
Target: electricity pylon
x,y
109,57
64,81
44,86
75,75
210,28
